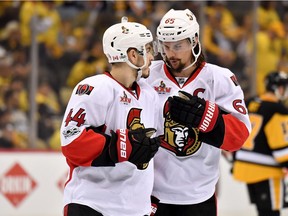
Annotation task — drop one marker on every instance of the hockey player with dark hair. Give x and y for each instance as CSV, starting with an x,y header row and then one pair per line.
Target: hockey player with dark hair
x,y
107,131
203,112
262,162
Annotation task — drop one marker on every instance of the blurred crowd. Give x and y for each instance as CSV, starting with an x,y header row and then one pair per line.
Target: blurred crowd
x,y
69,36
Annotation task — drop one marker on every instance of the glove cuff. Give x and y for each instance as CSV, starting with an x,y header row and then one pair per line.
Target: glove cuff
x,y
209,118
123,144
154,205
120,146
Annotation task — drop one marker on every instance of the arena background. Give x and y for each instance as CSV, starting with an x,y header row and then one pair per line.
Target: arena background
x,y
46,47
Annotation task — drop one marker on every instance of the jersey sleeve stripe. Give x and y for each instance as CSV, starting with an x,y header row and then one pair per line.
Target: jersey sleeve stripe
x,y
85,148
236,133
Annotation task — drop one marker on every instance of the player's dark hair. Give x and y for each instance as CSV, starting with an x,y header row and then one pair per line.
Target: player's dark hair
x,y
200,59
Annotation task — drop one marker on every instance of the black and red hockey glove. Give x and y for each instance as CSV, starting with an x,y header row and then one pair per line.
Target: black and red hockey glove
x,y
134,146
193,111
154,205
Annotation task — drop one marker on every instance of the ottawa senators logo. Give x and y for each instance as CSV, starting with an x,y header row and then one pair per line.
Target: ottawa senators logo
x,y
234,80
134,122
189,16
124,30
84,89
177,138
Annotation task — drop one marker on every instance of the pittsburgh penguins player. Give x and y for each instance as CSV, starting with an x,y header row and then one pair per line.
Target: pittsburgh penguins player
x,y
262,162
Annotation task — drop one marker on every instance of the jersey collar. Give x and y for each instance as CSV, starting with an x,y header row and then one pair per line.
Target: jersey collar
x,y
193,75
134,90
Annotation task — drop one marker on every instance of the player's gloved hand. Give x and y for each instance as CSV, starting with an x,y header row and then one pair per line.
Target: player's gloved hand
x,y
193,111
154,205
135,146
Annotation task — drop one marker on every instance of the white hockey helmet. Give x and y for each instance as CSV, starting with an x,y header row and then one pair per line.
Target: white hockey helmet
x,y
178,25
118,38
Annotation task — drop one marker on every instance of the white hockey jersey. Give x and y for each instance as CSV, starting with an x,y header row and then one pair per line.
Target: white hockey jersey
x,y
187,169
103,103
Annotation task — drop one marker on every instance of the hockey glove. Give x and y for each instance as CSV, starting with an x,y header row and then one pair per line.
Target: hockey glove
x,y
135,146
154,205
193,111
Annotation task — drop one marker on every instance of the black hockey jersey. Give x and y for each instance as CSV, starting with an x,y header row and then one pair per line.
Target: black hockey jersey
x,y
265,152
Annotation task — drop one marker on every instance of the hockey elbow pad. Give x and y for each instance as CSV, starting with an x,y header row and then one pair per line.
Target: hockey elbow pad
x,y
134,146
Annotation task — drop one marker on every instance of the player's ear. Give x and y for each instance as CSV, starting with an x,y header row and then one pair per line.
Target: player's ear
x,y
132,55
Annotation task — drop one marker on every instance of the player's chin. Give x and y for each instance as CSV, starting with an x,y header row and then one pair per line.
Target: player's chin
x,y
146,73
173,65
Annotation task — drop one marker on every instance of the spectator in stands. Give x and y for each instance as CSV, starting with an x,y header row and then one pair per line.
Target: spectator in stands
x,y
18,84
284,58
91,63
18,117
218,48
47,26
48,108
228,24
137,11
267,13
11,36
268,51
5,74
46,95
10,136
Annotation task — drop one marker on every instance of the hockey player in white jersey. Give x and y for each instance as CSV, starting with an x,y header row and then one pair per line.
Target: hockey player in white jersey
x,y
107,131
203,113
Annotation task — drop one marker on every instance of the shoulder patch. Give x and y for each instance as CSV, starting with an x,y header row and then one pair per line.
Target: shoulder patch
x,y
234,80
84,89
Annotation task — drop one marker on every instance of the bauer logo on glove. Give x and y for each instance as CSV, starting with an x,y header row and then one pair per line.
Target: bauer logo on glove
x,y
135,146
193,111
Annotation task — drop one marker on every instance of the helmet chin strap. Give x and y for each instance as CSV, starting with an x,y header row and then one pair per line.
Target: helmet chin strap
x,y
139,74
195,56
139,69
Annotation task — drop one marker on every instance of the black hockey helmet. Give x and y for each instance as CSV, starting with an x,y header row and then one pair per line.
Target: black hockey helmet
x,y
275,79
